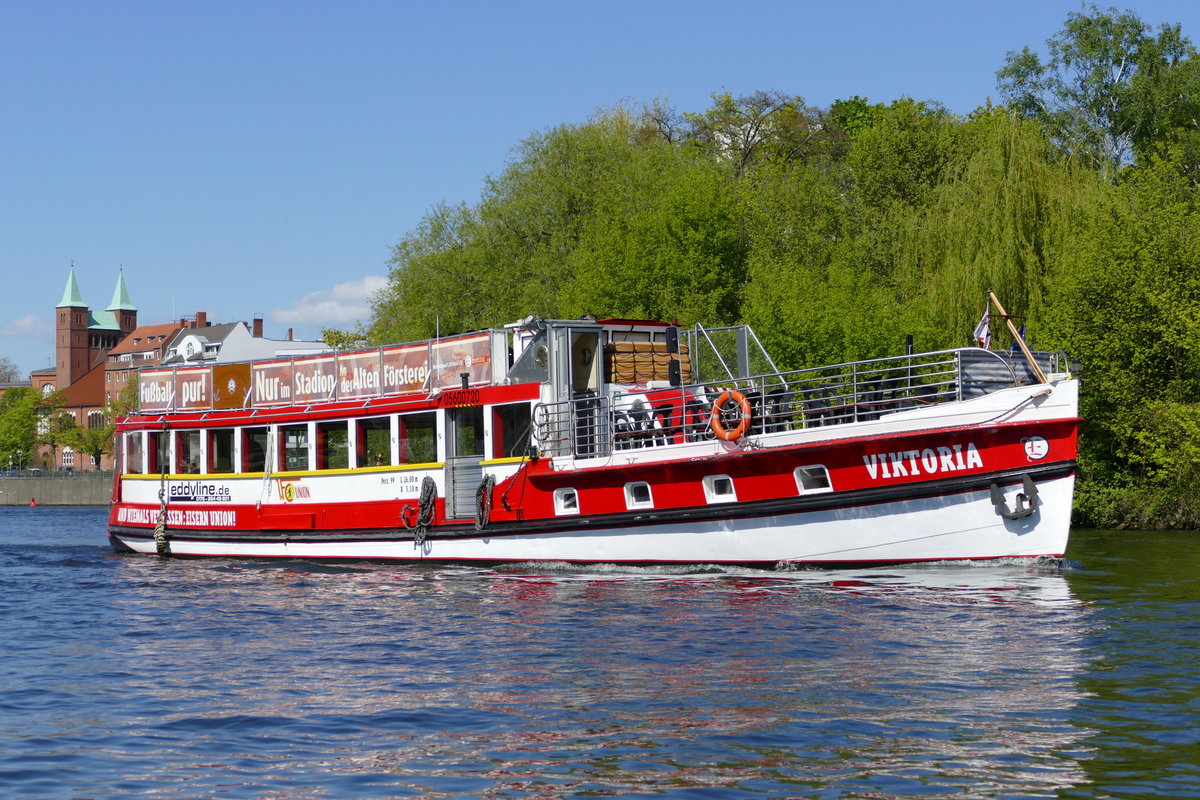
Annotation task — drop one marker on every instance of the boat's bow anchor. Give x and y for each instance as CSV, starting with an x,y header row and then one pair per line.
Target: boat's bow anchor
x,y
1027,500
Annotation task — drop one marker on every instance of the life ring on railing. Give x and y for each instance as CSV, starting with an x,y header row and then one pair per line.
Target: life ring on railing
x,y
718,408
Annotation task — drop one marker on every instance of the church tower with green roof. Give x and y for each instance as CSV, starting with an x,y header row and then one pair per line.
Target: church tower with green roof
x,y
82,337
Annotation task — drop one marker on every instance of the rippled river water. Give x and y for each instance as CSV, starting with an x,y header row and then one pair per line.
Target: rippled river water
x,y
130,676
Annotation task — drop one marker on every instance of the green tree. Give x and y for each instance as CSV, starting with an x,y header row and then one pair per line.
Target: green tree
x,y
807,296
94,441
18,427
1131,310
56,428
354,339
759,128
1099,89
1008,213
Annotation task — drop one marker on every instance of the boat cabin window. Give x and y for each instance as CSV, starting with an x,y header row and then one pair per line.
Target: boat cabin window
x,y
133,452
187,452
566,501
719,489
510,430
466,431
373,442
813,479
637,495
293,447
418,438
333,445
254,449
158,447
220,450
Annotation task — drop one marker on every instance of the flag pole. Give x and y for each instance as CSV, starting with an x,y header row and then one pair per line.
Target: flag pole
x,y
1041,376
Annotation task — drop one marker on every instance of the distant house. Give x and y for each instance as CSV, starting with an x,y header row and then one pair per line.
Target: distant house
x,y
205,343
144,347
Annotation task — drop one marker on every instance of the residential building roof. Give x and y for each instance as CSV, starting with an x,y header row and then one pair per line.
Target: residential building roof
x,y
87,391
146,337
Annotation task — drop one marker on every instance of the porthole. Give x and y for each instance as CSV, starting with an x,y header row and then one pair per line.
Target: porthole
x,y
812,479
566,501
638,495
719,489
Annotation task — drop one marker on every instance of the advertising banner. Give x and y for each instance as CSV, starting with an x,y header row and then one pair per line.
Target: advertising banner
x,y
231,385
405,369
156,390
314,380
193,389
272,383
469,354
359,374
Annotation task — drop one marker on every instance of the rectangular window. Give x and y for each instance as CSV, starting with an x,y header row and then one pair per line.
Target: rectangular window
x,y
187,452
133,452
220,450
637,495
333,445
510,430
566,501
466,431
293,447
812,479
374,442
254,449
719,489
418,438
159,448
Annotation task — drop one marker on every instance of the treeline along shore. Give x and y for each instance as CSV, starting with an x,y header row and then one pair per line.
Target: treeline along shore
x,y
837,231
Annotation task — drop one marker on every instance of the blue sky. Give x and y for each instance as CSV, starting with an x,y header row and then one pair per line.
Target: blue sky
x,y
263,156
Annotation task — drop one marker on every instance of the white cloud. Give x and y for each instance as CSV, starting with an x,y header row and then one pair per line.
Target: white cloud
x,y
30,326
345,303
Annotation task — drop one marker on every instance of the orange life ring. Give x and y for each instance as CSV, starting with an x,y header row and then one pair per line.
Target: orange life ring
x,y
715,421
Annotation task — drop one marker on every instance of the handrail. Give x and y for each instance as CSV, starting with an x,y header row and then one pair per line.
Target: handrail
x,y
854,391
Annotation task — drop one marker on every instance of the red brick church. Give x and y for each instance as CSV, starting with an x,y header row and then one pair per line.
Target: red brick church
x,y
82,340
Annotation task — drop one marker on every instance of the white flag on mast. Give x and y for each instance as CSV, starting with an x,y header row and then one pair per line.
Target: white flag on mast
x,y
983,332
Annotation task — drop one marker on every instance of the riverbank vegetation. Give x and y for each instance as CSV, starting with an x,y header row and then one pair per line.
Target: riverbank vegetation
x,y
835,231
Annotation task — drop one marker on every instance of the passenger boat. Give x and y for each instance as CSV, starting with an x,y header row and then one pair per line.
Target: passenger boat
x,y
602,440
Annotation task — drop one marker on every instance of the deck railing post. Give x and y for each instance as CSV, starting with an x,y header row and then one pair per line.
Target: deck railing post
x,y
854,389
958,375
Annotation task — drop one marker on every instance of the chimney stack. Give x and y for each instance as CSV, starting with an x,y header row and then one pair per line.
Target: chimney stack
x,y
289,334
258,329
201,319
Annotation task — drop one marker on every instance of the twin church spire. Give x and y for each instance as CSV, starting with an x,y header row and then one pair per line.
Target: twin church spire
x,y
72,298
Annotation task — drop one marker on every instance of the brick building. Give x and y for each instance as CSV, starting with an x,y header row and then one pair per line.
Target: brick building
x,y
82,340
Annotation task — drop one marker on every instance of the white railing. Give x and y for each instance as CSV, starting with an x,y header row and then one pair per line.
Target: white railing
x,y
840,394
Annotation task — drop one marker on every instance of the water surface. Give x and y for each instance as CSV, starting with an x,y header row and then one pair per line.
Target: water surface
x,y
131,676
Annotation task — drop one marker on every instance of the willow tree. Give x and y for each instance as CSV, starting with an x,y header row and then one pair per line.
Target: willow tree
x,y
1008,215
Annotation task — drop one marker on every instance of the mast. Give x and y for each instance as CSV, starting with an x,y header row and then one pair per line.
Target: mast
x,y
1037,370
